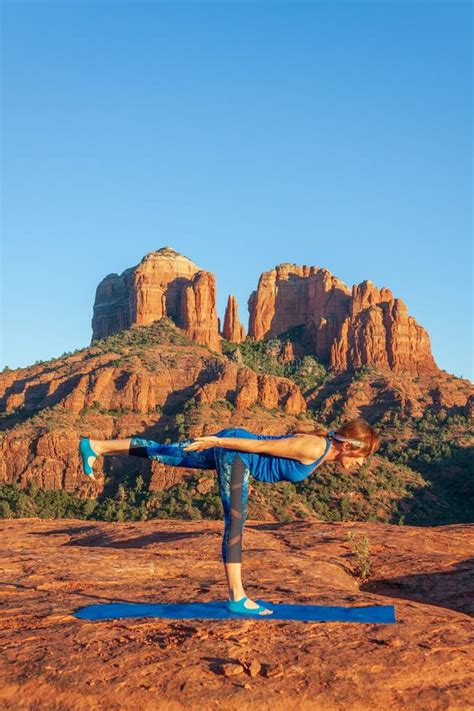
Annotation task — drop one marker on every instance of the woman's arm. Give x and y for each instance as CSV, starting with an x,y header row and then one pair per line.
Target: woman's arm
x,y
304,448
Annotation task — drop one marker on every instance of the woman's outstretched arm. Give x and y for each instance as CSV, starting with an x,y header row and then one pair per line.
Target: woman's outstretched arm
x,y
304,448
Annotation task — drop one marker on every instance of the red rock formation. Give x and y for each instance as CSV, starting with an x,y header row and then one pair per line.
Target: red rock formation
x,y
346,330
268,390
98,397
198,314
287,354
379,332
468,409
233,329
164,283
290,295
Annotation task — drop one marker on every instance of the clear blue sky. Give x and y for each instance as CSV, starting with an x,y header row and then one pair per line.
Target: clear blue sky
x,y
243,134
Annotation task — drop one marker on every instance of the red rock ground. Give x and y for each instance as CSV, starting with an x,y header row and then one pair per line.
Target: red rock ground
x,y
53,661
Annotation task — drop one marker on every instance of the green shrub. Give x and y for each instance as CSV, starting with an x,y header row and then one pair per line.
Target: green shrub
x,y
361,550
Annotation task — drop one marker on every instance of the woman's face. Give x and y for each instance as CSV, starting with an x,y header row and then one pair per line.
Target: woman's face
x,y
350,460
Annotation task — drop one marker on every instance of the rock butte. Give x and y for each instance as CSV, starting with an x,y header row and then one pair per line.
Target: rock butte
x,y
165,283
344,328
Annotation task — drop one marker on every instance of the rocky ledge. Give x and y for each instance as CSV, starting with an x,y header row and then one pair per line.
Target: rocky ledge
x,y
52,660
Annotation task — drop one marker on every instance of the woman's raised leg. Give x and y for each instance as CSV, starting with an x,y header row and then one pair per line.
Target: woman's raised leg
x,y
111,446
172,453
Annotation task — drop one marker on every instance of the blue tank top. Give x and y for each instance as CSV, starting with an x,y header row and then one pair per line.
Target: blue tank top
x,y
265,467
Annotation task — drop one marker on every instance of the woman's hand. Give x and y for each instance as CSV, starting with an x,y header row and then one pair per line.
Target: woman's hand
x,y
202,443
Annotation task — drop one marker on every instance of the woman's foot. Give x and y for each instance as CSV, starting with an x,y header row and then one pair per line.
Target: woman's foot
x,y
89,454
246,603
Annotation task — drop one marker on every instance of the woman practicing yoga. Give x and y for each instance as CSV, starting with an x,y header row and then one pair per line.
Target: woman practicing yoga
x,y
235,453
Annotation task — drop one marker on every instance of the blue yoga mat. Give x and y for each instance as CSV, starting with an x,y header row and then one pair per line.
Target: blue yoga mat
x,y
217,610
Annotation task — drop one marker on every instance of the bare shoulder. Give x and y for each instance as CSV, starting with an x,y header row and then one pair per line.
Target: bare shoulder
x,y
305,448
310,447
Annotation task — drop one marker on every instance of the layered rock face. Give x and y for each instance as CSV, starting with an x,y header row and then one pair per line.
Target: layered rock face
x,y
344,328
164,283
48,407
233,329
131,401
380,332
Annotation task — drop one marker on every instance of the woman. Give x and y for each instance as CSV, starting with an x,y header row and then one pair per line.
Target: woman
x,y
236,453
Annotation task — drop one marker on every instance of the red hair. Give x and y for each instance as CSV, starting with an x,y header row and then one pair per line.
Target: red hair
x,y
357,429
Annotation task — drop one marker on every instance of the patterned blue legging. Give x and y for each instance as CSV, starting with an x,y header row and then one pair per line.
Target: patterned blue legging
x,y
233,478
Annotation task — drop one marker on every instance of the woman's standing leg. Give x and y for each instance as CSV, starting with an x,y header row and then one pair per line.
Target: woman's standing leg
x,y
233,477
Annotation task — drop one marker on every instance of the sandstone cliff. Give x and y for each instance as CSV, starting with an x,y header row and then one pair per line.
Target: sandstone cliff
x,y
344,328
105,394
164,283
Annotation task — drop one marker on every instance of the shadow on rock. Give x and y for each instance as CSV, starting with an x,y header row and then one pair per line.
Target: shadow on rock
x,y
101,539
453,588
278,526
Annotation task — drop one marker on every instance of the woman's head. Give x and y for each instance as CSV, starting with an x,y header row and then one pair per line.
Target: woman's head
x,y
353,441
